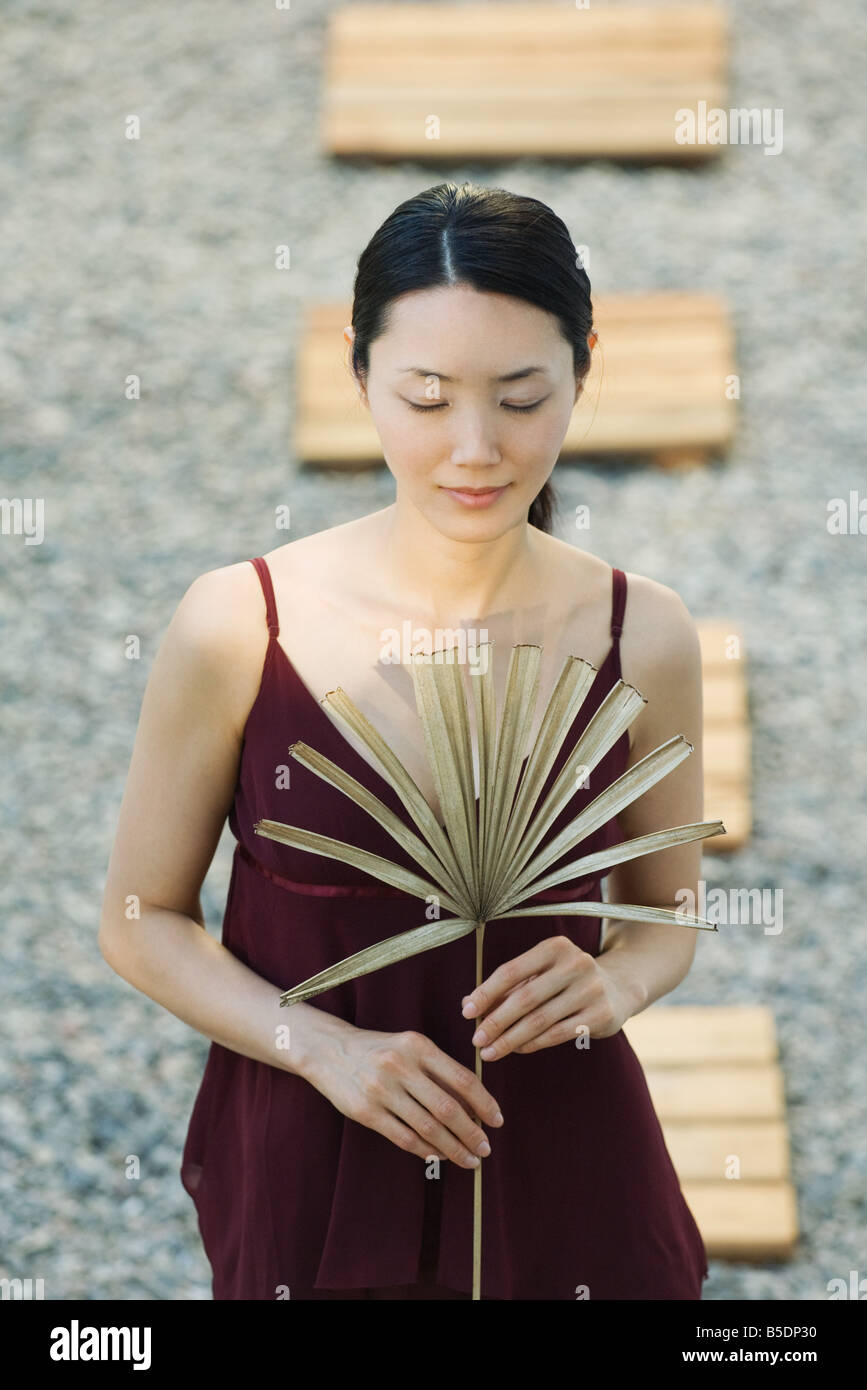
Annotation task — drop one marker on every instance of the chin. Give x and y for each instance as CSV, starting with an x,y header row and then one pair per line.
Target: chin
x,y
482,524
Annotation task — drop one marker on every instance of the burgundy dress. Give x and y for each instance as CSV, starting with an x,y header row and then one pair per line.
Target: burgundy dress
x,y
295,1200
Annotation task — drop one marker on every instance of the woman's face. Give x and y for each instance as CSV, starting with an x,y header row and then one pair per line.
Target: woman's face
x,y
450,422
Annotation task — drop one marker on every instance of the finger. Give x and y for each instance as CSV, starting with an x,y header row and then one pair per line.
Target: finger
x,y
435,1126
532,1025
451,1110
567,1030
511,973
524,1000
591,1022
508,991
478,1019
405,1137
464,1084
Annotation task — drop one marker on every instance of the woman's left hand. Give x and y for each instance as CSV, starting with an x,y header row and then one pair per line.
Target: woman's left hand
x,y
545,997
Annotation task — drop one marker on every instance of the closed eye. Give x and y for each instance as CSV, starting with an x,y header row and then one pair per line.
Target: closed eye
x,y
520,409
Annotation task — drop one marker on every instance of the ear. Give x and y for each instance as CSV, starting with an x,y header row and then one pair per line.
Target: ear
x,y
348,338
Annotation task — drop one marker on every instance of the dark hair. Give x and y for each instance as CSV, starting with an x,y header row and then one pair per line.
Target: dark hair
x,y
490,239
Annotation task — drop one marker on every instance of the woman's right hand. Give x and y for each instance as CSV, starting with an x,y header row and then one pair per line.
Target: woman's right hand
x,y
406,1088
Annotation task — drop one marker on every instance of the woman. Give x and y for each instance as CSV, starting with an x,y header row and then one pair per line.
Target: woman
x,y
334,1159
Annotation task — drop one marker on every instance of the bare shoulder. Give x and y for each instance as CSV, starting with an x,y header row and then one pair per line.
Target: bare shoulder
x,y
660,654
216,614
218,637
219,631
223,611
659,633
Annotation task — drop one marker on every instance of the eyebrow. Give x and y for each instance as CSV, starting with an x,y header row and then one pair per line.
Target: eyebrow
x,y
510,376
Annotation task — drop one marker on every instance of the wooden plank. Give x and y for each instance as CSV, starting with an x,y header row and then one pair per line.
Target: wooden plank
x,y
725,1034
669,25
725,696
339,443
722,646
507,134
748,1092
733,809
718,1091
750,1150
726,750
745,1221
512,80
622,431
727,736
509,59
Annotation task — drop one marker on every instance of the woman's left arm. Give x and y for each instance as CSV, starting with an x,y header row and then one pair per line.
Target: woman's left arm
x,y
547,995
661,655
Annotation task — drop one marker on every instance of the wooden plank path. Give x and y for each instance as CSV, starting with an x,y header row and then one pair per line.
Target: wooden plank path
x,y
718,1089
494,81
726,734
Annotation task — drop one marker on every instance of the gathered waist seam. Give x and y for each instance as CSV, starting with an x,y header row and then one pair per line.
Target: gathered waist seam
x,y
568,893
320,890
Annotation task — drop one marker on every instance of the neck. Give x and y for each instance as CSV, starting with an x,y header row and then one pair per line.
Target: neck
x,y
458,580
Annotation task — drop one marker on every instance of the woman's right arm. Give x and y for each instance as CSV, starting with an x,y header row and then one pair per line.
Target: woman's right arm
x,y
179,790
178,793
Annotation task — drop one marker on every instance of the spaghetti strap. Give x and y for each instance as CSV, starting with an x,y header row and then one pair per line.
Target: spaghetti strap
x,y
268,589
618,602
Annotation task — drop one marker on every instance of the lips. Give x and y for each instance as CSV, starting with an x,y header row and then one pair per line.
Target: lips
x,y
476,497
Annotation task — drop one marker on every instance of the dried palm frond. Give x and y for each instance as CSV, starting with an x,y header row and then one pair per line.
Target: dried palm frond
x,y
482,865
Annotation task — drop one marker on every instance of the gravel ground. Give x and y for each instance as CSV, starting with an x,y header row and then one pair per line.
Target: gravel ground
x,y
156,257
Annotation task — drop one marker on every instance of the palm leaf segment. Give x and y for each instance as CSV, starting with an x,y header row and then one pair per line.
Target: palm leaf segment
x,y
483,866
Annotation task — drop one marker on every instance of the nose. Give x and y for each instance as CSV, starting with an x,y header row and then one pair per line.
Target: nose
x,y
475,441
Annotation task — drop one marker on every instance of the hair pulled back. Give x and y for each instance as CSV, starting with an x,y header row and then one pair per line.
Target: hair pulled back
x,y
491,240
